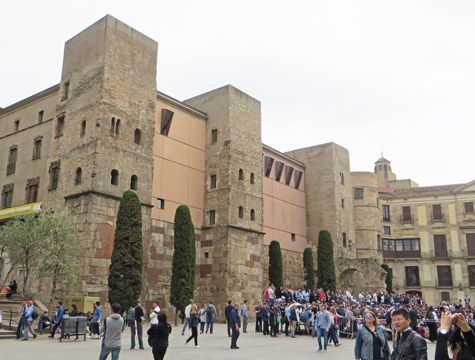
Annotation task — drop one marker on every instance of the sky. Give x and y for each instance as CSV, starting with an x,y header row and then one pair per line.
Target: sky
x,y
391,77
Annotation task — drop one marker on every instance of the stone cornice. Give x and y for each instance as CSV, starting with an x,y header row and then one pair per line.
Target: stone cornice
x,y
53,89
100,193
181,105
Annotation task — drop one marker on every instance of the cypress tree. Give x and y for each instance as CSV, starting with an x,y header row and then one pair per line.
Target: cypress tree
x,y
325,264
183,266
276,275
389,278
125,270
309,268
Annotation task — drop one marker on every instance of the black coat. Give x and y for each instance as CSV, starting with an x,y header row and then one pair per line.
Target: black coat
x,y
410,346
158,335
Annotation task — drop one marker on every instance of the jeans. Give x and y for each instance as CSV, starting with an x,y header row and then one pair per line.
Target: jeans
x,y
333,335
42,326
194,334
18,329
53,328
106,350
244,323
202,327
27,328
229,327
234,337
136,328
322,332
187,322
209,324
258,324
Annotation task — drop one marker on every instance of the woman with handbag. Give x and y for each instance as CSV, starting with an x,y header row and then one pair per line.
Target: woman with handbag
x,y
371,339
194,321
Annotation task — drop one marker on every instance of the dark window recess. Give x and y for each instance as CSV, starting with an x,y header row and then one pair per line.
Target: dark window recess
x,y
387,230
166,121
11,166
32,186
117,127
17,125
297,178
445,296
342,178
342,203
386,214
468,207
212,182
344,239
83,129
60,126
437,212
470,244
440,246
160,203
444,273
253,215
241,174
114,177
289,170
112,130
358,193
279,168
78,176
54,175
41,115
241,212
206,255
292,237
7,195
378,239
401,248
66,90
471,275
137,136
406,214
251,179
134,181
214,136
212,217
268,162
412,276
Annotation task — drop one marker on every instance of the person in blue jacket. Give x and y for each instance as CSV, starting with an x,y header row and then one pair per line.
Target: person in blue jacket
x,y
28,320
57,319
235,322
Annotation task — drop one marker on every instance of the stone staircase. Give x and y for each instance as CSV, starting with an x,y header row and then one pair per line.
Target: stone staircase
x,y
10,316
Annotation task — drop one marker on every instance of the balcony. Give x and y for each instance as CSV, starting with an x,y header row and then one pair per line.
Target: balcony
x,y
437,218
407,219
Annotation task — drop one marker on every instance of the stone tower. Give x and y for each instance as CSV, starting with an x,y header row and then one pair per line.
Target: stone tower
x,y
102,139
233,221
382,169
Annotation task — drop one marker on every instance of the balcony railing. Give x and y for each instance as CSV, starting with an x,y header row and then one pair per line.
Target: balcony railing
x,y
407,219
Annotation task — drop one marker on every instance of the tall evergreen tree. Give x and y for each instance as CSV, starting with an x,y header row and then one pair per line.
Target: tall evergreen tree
x,y
309,268
125,270
389,278
183,266
325,265
276,273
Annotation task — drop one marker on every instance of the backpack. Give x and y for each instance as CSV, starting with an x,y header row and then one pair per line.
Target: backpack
x,y
34,316
209,311
389,318
131,315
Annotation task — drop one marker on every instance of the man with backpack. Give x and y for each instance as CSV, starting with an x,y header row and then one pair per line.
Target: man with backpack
x,y
111,331
210,316
134,321
28,317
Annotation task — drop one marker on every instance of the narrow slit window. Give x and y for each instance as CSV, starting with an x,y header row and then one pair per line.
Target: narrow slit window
x,y
166,121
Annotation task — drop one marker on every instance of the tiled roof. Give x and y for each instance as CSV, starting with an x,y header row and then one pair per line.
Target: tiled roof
x,y
386,190
427,190
381,159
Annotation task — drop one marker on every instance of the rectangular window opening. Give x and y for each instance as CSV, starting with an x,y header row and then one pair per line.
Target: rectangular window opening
x,y
214,136
166,121
268,162
60,126
212,217
17,125
289,170
212,184
40,116
293,237
160,203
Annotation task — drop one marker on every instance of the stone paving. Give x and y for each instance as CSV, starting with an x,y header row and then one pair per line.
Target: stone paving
x,y
216,346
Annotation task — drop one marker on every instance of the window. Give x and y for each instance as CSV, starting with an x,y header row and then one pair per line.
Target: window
x,y
65,90
114,177
137,136
41,115
11,166
358,193
342,178
212,182
401,248
436,212
470,244
134,182
289,170
386,215
7,196
83,129
378,239
160,203
241,212
268,162
444,273
78,176
380,167
406,214
251,179
468,207
166,121
412,276
440,246
387,230
253,215
342,203
32,190
297,178
344,239
112,130
279,168
445,296
117,127
54,175
471,275
60,126
214,136
17,125
212,217
37,149
241,174
206,255
292,237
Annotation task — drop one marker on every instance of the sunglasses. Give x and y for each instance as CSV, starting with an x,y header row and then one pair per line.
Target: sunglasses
x,y
368,316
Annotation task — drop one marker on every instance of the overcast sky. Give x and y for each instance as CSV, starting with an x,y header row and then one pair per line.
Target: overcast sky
x,y
372,76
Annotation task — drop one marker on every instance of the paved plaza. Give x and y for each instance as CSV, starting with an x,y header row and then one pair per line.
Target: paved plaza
x,y
216,346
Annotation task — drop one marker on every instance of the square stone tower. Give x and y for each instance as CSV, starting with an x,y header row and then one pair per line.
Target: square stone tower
x,y
102,139
233,221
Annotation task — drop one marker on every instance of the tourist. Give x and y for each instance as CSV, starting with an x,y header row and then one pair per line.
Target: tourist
x,y
57,320
431,321
44,322
407,343
74,313
371,340
112,334
12,289
455,332
194,321
245,316
158,336
202,316
210,317
96,320
28,320
235,325
227,312
134,321
274,326
21,314
153,315
187,316
257,310
322,325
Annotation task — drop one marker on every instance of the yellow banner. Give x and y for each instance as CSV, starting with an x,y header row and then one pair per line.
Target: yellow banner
x,y
20,210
